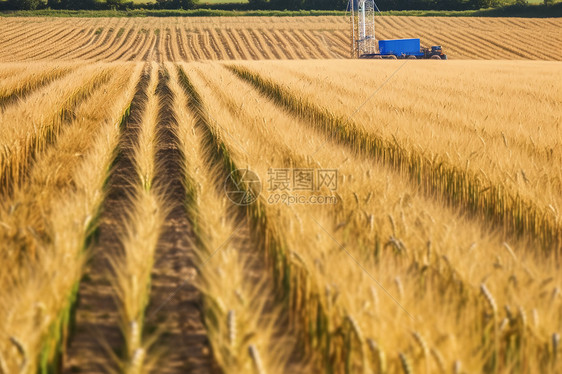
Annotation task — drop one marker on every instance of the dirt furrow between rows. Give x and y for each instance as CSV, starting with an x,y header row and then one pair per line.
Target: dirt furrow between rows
x,y
97,340
174,311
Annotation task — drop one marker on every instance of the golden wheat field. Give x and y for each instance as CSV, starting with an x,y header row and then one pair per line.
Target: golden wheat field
x,y
169,206
269,38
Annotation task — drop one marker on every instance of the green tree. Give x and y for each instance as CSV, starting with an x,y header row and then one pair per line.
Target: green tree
x,y
114,3
25,4
176,4
326,4
259,4
287,4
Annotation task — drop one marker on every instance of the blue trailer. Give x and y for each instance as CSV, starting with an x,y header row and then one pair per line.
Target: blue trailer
x,y
406,48
398,47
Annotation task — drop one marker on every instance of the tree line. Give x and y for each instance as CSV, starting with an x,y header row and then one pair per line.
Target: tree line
x,y
383,5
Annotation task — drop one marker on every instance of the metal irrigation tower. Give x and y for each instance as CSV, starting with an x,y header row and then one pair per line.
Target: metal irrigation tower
x,y
362,27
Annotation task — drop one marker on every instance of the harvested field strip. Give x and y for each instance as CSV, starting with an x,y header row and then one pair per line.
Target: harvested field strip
x,y
90,39
149,54
60,203
258,42
120,39
47,51
126,46
342,38
176,46
13,35
272,46
546,50
246,43
121,43
309,49
107,45
140,41
158,51
30,44
78,42
291,38
456,185
202,37
208,41
314,43
27,33
99,313
278,39
168,42
101,38
507,46
333,50
148,46
181,45
191,50
465,41
22,143
262,45
230,43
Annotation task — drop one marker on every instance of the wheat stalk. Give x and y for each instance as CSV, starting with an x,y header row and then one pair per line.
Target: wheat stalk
x,y
3,366
555,293
356,329
134,335
510,251
136,363
457,367
232,327
406,365
503,324
375,295
399,287
22,352
489,298
379,354
438,359
555,346
255,356
392,224
536,319
522,317
428,253
423,346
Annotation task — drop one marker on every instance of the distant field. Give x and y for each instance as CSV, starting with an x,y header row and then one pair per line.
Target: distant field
x,y
255,38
